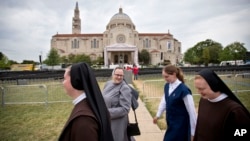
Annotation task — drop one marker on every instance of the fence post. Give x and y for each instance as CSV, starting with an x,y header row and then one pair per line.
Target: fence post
x,y
2,92
46,94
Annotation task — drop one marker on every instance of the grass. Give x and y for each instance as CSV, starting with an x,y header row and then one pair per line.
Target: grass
x,y
33,122
43,122
153,91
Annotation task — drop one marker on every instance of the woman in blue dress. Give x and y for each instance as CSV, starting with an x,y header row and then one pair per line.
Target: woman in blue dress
x,y
178,103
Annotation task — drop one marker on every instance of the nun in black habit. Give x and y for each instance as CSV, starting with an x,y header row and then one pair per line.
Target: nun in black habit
x,y
221,115
89,120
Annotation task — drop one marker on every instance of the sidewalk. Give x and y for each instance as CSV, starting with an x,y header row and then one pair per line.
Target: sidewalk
x,y
149,131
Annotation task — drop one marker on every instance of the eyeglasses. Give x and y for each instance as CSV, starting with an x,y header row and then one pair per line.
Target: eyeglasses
x,y
119,75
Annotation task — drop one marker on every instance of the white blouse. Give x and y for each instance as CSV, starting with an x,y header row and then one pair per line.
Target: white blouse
x,y
188,101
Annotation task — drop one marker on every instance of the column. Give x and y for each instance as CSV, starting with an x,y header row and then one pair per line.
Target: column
x,y
136,56
105,57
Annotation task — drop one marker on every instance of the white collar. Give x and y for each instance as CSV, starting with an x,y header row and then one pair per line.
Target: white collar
x,y
219,98
79,98
175,84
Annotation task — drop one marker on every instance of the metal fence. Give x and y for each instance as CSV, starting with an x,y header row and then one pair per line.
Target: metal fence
x,y
33,94
51,90
238,83
35,91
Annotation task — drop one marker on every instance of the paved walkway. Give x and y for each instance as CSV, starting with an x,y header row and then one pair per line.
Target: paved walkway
x,y
149,131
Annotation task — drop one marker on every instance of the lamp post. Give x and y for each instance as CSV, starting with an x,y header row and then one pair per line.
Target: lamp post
x,y
41,61
235,57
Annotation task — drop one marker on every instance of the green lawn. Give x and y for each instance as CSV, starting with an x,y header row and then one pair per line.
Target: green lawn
x,y
153,91
42,121
33,122
45,121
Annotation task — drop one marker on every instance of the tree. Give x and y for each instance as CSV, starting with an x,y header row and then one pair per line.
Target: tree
x,y
29,62
64,60
98,61
233,51
214,53
10,62
206,56
82,58
53,58
204,52
4,61
144,57
189,56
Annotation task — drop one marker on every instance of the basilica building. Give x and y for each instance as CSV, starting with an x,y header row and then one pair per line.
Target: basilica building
x,y
119,44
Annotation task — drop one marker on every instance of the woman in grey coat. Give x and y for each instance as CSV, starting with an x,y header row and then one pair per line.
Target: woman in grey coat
x,y
117,97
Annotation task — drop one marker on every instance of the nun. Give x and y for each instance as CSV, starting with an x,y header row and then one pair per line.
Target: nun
x,y
221,115
117,96
89,119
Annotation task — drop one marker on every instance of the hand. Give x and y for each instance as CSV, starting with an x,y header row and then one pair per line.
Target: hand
x,y
155,120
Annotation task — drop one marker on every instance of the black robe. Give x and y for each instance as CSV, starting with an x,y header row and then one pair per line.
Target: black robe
x,y
83,78
81,125
222,119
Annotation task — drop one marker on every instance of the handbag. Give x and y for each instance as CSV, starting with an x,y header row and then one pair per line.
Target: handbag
x,y
133,128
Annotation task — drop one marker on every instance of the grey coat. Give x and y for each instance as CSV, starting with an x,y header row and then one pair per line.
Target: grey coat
x,y
118,105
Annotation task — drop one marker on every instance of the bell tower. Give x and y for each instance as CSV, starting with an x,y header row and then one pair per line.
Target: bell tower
x,y
76,21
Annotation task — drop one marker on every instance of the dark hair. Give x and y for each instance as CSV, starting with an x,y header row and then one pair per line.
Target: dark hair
x,y
171,69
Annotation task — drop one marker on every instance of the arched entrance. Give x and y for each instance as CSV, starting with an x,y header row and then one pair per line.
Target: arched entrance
x,y
120,54
122,58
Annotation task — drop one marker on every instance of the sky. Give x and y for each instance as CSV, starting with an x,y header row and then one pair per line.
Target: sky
x,y
27,26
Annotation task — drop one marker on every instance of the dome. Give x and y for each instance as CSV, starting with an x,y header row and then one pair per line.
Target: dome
x,y
121,17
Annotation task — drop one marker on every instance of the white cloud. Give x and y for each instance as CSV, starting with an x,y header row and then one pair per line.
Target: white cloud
x,y
28,25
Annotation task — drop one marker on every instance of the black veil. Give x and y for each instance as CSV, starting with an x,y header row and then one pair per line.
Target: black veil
x,y
216,84
83,78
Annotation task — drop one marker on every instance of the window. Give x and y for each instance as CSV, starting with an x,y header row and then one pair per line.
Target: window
x,y
120,38
147,43
94,43
75,44
169,45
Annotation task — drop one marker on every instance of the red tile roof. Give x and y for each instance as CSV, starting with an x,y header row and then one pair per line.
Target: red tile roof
x,y
78,35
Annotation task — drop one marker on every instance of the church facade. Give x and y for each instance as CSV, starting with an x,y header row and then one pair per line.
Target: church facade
x,y
119,44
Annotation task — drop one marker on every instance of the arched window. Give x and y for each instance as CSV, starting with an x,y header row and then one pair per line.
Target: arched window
x,y
147,43
75,43
94,43
169,45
